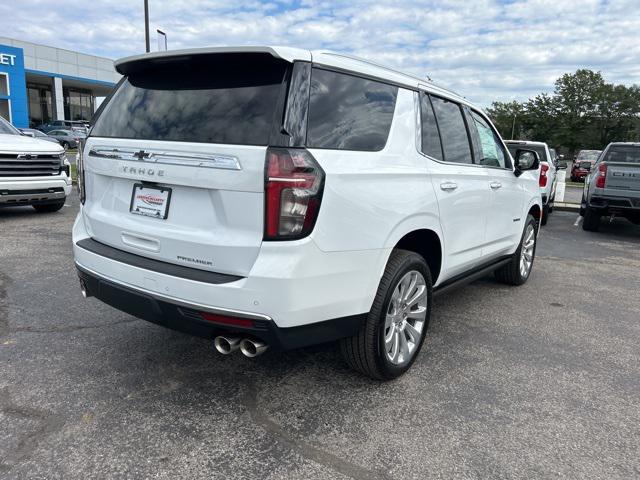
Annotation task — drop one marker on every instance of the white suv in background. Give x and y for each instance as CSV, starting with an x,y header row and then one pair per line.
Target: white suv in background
x,y
548,172
295,198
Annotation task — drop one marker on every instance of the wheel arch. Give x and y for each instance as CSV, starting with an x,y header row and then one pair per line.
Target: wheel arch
x,y
422,235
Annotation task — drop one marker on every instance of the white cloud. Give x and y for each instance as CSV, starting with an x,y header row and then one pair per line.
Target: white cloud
x,y
485,49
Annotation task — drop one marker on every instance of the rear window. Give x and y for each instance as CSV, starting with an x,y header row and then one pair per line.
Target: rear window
x,y
348,112
591,155
224,98
623,153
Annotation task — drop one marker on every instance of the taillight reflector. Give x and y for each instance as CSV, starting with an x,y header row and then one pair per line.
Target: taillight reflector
x,y
225,320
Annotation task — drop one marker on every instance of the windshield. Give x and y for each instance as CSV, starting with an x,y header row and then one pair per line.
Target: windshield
x,y
590,155
539,149
7,129
623,153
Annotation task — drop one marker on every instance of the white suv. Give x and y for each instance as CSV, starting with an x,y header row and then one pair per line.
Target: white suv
x,y
548,172
279,197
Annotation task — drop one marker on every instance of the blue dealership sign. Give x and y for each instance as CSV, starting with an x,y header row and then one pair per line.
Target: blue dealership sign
x,y
12,67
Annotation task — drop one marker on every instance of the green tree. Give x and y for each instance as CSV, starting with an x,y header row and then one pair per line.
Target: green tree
x,y
508,117
583,112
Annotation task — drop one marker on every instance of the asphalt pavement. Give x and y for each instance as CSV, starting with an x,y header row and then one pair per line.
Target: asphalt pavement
x,y
538,381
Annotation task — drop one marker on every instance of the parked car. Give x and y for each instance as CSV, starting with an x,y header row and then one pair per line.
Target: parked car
x,y
67,138
32,171
548,170
612,188
325,200
55,125
583,163
32,132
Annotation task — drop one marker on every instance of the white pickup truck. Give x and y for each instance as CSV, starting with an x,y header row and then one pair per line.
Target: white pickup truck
x,y
32,172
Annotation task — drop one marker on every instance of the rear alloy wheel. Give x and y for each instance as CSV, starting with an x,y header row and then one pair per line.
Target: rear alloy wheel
x,y
517,271
392,333
590,220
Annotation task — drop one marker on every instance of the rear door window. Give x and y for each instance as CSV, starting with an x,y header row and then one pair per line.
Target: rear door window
x,y
453,131
222,98
431,144
348,112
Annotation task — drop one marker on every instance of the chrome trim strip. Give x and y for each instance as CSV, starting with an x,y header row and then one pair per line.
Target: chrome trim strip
x,y
165,157
176,301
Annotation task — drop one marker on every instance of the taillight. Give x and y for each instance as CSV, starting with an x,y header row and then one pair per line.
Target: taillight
x,y
602,175
293,192
80,171
543,174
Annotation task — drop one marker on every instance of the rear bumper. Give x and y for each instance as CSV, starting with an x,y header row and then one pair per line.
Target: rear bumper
x,y
292,283
186,318
605,204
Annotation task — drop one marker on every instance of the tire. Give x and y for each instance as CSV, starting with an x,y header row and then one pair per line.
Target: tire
x,y
545,215
511,273
590,220
574,179
49,207
367,352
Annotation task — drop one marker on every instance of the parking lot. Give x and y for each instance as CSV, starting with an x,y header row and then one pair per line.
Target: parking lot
x,y
531,382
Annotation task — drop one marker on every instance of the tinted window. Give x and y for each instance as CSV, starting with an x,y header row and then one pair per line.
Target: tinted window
x,y
349,113
491,152
430,137
455,141
622,153
229,98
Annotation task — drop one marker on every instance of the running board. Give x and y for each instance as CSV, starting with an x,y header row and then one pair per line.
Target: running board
x,y
470,276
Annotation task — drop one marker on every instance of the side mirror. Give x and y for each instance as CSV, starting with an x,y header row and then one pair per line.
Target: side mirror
x,y
526,160
562,166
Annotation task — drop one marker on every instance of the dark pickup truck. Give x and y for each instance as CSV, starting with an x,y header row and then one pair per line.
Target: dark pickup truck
x,y
612,188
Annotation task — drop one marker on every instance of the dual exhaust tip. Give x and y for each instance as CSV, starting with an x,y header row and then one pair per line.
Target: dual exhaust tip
x,y
249,348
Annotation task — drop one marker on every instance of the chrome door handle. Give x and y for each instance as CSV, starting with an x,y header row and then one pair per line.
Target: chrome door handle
x,y
495,185
448,186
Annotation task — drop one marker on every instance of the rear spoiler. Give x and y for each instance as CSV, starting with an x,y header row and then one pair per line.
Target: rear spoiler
x,y
127,65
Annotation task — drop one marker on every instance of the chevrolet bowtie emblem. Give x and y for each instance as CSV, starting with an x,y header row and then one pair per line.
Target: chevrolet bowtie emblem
x,y
141,155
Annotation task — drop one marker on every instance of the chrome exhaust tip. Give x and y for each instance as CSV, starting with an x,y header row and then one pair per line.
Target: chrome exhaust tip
x,y
83,289
252,348
226,345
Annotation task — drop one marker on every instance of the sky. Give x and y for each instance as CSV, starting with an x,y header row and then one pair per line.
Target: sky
x,y
485,50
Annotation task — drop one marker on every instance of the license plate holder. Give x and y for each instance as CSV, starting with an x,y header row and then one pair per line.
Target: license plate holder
x,y
150,201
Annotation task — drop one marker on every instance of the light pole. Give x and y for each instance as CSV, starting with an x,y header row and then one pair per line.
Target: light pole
x,y
146,25
513,127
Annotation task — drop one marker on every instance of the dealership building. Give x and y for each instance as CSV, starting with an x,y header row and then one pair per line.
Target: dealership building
x,y
39,84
